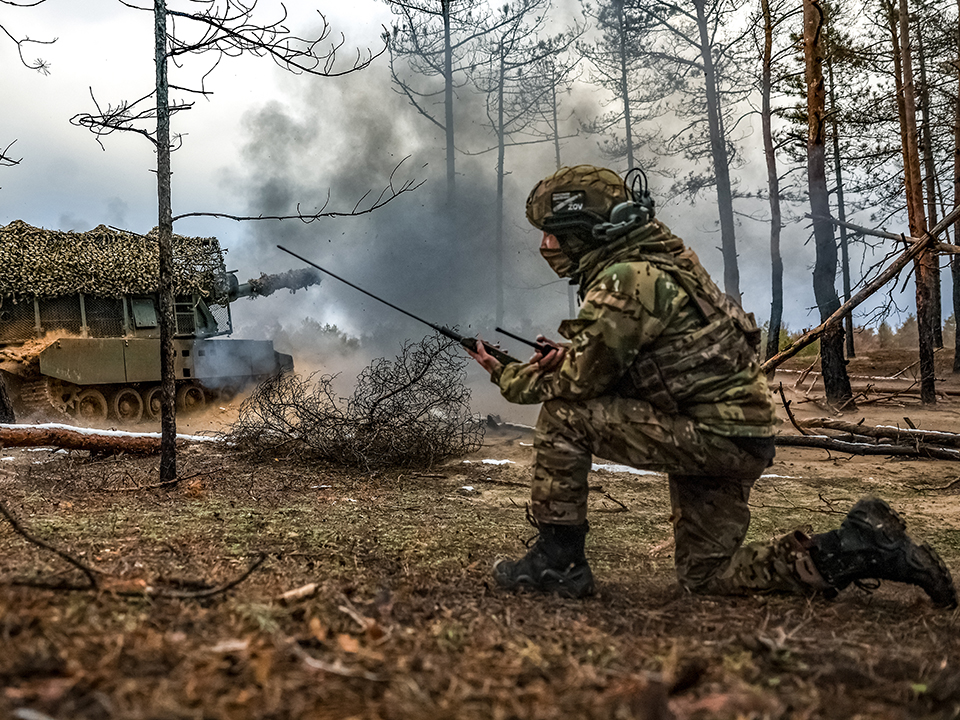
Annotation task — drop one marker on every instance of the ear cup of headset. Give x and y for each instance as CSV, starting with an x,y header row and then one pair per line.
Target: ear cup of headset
x,y
627,212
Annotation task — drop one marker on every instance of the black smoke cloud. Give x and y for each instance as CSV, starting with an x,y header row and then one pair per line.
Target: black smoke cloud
x,y
434,259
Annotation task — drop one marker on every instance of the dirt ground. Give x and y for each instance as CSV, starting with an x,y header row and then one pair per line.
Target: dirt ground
x,y
404,621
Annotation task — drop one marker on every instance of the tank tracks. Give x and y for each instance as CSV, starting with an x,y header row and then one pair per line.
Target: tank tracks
x,y
46,397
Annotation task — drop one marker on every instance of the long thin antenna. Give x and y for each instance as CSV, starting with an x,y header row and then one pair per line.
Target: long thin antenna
x,y
357,287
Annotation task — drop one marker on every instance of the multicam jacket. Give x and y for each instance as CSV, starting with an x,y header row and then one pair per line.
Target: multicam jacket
x,y
654,326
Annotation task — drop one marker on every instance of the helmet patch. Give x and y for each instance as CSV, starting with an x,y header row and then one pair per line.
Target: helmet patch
x,y
568,201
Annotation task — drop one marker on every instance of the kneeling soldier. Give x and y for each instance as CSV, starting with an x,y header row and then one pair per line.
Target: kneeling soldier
x,y
660,372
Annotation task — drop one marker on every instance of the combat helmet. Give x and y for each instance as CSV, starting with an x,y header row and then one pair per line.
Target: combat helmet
x,y
586,206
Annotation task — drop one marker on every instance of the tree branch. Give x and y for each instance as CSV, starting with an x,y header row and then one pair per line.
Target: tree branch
x,y
892,271
18,528
387,195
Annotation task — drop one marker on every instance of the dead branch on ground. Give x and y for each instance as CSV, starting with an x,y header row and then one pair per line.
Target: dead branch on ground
x,y
919,450
143,590
786,406
830,510
897,434
86,570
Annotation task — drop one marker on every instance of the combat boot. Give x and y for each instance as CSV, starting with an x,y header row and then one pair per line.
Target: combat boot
x,y
872,543
555,563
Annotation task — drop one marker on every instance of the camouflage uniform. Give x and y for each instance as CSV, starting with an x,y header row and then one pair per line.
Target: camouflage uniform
x,y
661,373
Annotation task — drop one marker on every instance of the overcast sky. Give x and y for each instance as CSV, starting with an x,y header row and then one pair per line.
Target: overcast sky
x,y
266,139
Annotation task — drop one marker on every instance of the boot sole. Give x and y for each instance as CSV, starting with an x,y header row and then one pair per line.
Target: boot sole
x,y
947,598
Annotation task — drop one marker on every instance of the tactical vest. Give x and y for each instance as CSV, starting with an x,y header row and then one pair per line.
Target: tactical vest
x,y
685,369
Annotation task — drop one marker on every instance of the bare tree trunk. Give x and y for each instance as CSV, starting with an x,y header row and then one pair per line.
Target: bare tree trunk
x,y
554,104
501,141
721,164
835,379
448,102
930,181
168,410
955,259
841,212
773,183
925,266
624,87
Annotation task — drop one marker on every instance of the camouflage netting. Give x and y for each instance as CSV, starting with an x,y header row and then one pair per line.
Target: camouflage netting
x,y
101,262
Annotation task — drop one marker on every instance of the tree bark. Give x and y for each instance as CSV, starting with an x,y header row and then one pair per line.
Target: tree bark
x,y
925,265
721,162
835,380
930,183
773,184
841,211
25,436
168,409
955,260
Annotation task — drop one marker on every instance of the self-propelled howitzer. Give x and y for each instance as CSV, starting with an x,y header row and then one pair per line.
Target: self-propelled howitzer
x,y
79,323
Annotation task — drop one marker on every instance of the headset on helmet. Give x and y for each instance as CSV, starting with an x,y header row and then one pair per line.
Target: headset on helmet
x,y
586,206
627,215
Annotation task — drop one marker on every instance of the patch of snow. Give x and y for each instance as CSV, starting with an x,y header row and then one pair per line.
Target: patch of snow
x,y
8,458
499,462
785,477
622,469
107,433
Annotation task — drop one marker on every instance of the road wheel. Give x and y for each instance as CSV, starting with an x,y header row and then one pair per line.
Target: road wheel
x,y
91,406
151,402
127,405
190,399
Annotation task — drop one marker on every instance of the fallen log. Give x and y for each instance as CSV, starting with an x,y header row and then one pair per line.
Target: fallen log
x,y
920,450
935,437
68,437
14,436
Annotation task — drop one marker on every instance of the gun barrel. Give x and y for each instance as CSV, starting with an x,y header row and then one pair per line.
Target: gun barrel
x,y
268,284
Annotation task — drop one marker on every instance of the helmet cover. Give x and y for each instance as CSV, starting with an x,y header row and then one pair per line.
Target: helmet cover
x,y
587,189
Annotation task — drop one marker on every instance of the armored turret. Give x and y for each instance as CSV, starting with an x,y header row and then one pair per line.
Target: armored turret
x,y
79,324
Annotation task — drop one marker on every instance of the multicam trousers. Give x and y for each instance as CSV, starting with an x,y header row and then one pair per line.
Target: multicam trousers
x,y
710,480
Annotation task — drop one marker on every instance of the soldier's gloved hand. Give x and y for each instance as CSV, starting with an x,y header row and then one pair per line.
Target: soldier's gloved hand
x,y
551,357
486,360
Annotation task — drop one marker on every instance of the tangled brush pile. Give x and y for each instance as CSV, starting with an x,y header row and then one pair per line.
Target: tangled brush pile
x,y
409,412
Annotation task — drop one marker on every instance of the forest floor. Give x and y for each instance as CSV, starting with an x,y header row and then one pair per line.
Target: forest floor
x,y
404,621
